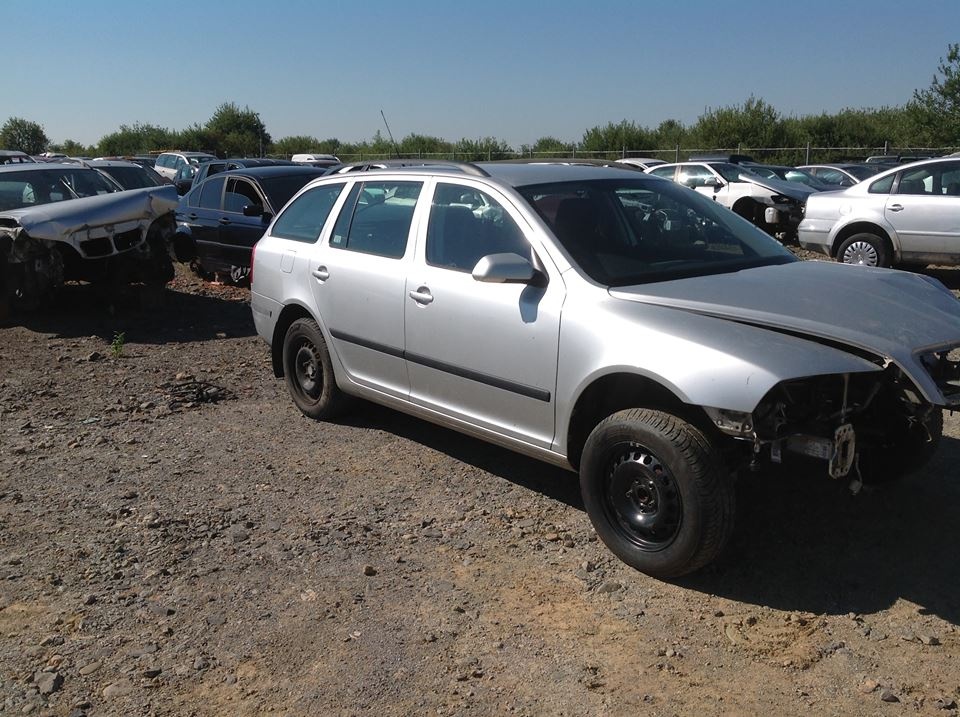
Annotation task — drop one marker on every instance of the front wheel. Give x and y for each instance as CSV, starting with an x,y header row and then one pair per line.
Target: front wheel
x,y
308,372
864,248
657,492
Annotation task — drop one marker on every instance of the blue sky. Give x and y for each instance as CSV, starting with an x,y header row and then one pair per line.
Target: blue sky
x,y
516,70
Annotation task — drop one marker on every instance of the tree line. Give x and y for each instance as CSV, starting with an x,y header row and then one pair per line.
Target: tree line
x,y
931,118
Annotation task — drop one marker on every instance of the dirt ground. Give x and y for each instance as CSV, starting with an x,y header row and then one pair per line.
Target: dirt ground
x,y
175,539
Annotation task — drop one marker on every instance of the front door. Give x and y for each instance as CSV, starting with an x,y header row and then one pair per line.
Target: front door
x,y
482,353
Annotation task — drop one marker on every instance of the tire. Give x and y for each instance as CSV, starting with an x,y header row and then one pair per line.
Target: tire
x,y
909,449
657,492
865,249
308,372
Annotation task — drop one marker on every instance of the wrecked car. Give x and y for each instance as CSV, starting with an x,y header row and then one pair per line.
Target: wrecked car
x,y
770,203
61,222
609,322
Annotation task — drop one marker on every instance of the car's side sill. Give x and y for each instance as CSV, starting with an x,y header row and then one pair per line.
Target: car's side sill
x,y
427,414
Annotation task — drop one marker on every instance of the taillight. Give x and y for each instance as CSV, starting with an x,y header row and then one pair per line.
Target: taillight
x,y
253,256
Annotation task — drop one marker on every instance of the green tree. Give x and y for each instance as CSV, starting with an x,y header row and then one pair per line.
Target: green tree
x,y
669,134
935,111
622,136
238,132
548,146
479,150
23,135
136,139
72,148
753,124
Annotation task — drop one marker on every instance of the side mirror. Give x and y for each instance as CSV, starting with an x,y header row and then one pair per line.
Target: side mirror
x,y
713,182
506,269
252,210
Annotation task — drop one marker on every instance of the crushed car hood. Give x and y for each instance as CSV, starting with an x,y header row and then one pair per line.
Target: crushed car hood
x,y
895,315
58,220
794,190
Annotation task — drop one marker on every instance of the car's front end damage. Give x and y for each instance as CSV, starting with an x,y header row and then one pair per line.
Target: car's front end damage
x,y
876,418
122,237
868,427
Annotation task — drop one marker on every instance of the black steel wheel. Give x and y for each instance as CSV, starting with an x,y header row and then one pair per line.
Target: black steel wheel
x,y
657,492
308,371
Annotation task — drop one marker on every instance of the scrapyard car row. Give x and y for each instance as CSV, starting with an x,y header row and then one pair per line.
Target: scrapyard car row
x,y
608,322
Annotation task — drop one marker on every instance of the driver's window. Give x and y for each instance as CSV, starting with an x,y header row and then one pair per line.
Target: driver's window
x,y
466,225
694,176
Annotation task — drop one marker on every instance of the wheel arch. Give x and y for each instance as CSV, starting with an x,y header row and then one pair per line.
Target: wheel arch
x,y
614,392
289,314
866,227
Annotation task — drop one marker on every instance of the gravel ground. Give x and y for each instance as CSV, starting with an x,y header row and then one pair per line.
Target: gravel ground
x,y
175,539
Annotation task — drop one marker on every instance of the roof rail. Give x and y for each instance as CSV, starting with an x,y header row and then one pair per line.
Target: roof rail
x,y
367,165
586,161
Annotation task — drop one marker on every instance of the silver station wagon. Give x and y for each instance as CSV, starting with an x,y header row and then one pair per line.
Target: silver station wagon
x,y
616,324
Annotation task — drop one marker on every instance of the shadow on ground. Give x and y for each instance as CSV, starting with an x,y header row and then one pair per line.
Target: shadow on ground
x,y
802,543
144,317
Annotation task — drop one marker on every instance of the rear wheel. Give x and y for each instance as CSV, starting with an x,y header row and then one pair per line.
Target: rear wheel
x,y
864,248
657,492
308,372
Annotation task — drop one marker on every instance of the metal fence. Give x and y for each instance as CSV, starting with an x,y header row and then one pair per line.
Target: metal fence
x,y
775,155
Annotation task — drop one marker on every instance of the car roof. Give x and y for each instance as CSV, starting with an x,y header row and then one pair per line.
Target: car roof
x,y
272,170
40,166
191,154
511,173
110,163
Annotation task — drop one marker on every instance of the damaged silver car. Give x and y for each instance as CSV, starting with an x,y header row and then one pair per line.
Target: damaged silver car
x,y
61,222
609,322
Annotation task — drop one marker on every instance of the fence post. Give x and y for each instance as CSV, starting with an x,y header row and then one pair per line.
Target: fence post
x,y
676,155
807,160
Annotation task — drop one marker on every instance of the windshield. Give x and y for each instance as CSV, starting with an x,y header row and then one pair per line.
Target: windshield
x,y
27,189
861,171
631,231
730,172
280,189
132,177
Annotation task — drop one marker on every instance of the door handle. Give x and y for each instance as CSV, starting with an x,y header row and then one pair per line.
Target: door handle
x,y
224,220
320,273
422,296
896,207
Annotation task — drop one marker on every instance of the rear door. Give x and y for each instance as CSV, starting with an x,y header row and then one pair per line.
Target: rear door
x,y
201,215
358,275
925,211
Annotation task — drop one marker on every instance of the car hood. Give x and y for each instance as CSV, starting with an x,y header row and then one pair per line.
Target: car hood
x,y
58,220
794,190
895,315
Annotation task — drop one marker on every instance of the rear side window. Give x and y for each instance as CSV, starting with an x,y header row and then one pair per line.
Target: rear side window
x,y
304,218
210,193
376,218
882,186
